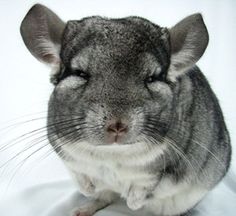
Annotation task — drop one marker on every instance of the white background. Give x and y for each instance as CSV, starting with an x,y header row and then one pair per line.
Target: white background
x,y
25,87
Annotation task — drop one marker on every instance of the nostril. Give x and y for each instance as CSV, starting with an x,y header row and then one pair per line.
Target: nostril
x,y
117,127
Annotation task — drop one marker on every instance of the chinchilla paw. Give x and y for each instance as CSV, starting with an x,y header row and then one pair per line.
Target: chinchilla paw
x,y
136,198
80,212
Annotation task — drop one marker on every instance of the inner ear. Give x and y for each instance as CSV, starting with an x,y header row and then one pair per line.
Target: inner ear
x,y
189,39
42,30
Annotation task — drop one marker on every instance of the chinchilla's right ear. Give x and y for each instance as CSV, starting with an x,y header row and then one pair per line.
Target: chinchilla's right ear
x,y
189,39
42,31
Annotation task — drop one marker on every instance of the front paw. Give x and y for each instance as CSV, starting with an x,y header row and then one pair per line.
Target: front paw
x,y
79,212
86,187
92,205
87,209
136,197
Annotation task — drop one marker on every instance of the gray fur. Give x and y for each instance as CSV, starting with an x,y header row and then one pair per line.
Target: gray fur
x,y
41,31
119,55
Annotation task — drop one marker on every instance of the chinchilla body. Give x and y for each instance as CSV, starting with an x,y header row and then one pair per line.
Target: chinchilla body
x,y
131,115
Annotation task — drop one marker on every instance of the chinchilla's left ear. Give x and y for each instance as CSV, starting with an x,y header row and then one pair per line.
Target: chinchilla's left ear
x,y
189,39
42,31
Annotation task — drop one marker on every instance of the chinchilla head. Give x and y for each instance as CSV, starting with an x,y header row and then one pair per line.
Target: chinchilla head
x,y
115,79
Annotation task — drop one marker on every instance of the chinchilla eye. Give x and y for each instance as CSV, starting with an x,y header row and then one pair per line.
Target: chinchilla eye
x,y
154,78
161,77
66,72
82,74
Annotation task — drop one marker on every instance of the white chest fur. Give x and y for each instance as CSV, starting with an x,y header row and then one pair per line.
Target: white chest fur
x,y
114,167
117,168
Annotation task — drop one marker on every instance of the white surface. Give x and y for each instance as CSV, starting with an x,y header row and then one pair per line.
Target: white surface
x,y
58,198
24,91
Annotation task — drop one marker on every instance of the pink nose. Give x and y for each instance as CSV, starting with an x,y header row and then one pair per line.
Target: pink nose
x,y
117,128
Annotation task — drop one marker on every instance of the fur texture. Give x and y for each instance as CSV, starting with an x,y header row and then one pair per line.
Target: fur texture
x,y
177,147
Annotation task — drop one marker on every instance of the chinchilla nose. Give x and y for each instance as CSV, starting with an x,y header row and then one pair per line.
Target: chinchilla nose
x,y
117,127
116,131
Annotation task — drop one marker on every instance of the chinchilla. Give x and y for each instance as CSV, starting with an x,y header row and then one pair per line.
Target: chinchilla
x,y
131,115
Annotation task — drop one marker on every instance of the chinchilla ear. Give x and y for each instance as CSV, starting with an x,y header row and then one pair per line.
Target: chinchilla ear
x,y
42,31
189,39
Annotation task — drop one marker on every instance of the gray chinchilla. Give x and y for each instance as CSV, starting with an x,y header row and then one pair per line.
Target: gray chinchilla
x,y
131,115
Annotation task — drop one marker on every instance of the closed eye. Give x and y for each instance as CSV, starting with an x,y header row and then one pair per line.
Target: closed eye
x,y
82,74
71,72
155,78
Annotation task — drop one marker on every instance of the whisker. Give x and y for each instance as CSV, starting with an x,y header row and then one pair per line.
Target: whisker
x,y
34,132
35,119
39,140
176,149
206,149
21,164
